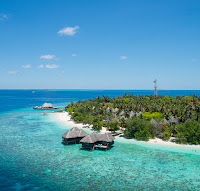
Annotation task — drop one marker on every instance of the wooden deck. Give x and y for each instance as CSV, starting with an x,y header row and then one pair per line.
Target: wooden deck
x,y
71,141
101,147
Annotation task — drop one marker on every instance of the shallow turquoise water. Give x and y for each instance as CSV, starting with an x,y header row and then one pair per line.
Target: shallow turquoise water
x,y
33,158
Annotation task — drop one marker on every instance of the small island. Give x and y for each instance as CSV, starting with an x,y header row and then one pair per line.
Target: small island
x,y
142,117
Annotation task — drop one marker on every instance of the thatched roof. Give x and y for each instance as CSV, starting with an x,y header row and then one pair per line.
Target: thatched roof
x,y
115,110
94,137
138,114
115,116
47,105
74,133
121,113
107,137
108,109
131,114
165,121
153,121
173,120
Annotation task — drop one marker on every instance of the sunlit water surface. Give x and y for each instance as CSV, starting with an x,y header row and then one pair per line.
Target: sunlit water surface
x,y
33,158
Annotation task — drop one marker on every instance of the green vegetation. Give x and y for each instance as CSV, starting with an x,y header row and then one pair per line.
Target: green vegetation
x,y
189,132
134,113
139,129
154,115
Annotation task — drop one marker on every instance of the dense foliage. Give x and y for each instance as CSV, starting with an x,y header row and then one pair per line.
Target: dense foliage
x,y
139,129
114,113
188,132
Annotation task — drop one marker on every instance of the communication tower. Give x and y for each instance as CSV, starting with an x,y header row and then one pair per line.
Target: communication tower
x,y
155,88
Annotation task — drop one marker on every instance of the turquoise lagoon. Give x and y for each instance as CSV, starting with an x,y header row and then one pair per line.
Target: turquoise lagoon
x,y
33,158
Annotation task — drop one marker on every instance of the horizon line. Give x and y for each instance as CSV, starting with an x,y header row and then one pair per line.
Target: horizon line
x,y
108,89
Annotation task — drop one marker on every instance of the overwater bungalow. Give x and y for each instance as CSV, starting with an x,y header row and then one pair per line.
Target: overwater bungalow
x,y
45,106
74,135
97,141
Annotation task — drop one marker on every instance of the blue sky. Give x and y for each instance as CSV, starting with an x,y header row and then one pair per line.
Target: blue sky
x,y
99,44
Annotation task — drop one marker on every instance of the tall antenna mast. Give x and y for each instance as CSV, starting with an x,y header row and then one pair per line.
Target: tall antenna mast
x,y
155,88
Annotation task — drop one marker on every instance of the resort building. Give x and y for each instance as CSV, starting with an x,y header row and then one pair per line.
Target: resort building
x,y
97,141
165,121
138,113
173,121
131,114
121,113
154,122
45,106
74,135
115,110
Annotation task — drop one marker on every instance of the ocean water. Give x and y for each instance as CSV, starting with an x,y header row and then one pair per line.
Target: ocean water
x,y
33,158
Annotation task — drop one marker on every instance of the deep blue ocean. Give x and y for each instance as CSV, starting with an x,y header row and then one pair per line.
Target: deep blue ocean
x,y
33,158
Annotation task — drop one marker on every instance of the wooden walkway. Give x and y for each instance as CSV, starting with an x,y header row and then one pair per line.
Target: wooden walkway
x,y
101,147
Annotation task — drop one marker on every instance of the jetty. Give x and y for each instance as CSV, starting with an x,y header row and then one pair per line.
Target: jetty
x,y
73,136
45,106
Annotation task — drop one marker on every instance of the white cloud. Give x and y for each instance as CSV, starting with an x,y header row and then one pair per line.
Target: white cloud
x,y
47,57
12,72
74,55
123,57
26,66
41,66
70,31
3,17
51,66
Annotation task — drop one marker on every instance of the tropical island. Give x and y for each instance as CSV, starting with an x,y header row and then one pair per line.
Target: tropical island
x,y
142,117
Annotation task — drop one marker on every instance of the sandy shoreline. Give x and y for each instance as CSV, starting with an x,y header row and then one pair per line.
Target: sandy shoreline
x,y
64,118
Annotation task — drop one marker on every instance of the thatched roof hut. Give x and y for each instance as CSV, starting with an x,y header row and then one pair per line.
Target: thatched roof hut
x,y
115,110
138,114
98,141
165,121
95,137
92,138
47,105
132,114
107,137
108,109
173,120
74,135
153,121
121,113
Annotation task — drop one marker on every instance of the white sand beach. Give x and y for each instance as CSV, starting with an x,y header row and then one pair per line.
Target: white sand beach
x,y
64,118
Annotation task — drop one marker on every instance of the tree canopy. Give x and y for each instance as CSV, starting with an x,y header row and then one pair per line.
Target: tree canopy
x,y
135,112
